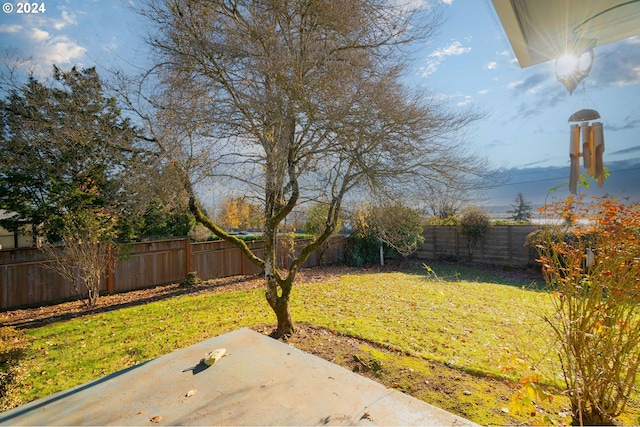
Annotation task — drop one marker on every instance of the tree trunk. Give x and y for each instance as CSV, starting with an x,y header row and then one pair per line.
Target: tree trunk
x,y
280,306
591,417
278,290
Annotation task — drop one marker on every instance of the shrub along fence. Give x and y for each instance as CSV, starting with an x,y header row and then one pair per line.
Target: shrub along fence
x,y
25,279
502,245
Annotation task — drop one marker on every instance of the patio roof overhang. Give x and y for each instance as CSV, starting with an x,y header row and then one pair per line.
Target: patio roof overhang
x,y
544,30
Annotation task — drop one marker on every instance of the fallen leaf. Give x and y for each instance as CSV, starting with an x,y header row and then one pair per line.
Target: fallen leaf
x,y
157,419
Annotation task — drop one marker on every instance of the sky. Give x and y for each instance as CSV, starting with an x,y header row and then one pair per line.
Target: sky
x,y
469,63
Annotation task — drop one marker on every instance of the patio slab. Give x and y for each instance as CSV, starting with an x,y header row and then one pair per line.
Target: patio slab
x,y
261,382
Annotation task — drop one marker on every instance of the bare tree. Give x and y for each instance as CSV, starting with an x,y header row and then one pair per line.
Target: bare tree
x,y
83,259
295,101
447,202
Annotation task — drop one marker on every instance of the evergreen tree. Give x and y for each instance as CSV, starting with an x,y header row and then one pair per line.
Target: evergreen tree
x,y
64,148
521,209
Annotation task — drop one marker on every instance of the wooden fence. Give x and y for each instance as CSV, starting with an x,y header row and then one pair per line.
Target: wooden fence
x,y
502,245
25,279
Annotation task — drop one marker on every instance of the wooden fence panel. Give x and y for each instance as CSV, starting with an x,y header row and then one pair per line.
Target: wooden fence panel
x,y
150,264
502,245
212,260
26,280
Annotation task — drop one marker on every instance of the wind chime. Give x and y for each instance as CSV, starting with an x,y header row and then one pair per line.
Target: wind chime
x,y
592,147
590,134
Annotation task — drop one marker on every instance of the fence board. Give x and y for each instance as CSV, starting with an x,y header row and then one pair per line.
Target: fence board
x,y
25,281
150,264
502,245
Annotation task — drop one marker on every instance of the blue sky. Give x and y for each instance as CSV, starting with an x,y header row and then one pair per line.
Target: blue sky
x,y
469,62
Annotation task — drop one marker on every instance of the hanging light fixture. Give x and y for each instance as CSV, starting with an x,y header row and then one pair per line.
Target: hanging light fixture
x,y
592,147
576,65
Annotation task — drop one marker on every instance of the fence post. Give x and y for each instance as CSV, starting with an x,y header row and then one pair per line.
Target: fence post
x,y
187,256
111,266
435,243
510,244
243,263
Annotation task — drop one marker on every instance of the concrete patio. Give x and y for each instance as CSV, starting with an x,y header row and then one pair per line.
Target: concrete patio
x,y
261,382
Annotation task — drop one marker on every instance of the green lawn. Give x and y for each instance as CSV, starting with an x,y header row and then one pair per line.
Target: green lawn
x,y
466,324
470,323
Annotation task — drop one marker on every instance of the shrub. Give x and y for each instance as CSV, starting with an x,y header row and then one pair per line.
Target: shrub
x,y
593,270
396,227
317,220
364,249
474,224
452,221
191,280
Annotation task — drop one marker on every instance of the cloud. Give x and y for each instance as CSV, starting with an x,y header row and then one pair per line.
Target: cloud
x,y
491,65
466,101
38,34
528,165
59,51
531,84
629,123
483,92
508,57
493,143
66,18
617,64
626,151
11,29
44,39
540,101
455,48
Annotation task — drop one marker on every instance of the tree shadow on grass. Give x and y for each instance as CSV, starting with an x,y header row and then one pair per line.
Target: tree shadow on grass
x,y
449,271
12,374
53,313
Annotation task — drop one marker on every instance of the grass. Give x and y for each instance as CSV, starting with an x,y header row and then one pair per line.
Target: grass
x,y
467,335
69,353
461,323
